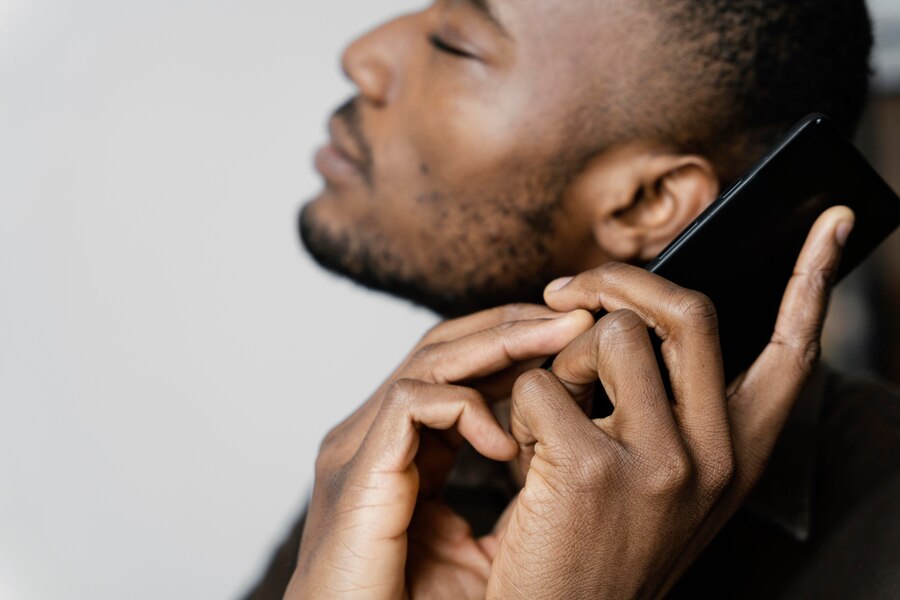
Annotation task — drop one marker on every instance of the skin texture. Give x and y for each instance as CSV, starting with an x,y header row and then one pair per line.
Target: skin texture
x,y
611,508
372,468
664,476
470,171
470,141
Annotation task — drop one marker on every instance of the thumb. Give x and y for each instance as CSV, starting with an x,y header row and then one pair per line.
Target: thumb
x,y
760,401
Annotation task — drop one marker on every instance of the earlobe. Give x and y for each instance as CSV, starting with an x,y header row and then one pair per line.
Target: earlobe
x,y
619,241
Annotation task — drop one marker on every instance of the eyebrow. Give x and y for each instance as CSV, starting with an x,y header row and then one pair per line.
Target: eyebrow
x,y
487,11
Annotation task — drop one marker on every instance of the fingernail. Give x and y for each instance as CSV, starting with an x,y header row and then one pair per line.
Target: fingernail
x,y
843,232
559,284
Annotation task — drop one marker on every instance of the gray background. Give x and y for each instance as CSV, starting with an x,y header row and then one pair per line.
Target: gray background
x,y
169,358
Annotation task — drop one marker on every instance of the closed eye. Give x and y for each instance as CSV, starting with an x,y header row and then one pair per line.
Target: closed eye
x,y
443,46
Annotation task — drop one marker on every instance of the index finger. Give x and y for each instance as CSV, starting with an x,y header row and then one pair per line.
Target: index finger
x,y
486,352
461,326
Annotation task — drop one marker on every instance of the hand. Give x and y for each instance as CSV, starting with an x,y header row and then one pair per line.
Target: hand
x,y
620,507
399,447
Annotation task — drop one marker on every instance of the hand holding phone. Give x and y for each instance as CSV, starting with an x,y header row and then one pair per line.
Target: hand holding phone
x,y
741,251
683,447
625,503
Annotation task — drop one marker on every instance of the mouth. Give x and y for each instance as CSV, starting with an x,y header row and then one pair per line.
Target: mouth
x,y
340,159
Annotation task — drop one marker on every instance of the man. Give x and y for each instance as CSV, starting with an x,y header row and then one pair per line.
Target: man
x,y
497,145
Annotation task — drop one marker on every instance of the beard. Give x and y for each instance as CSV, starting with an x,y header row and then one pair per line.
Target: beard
x,y
475,248
463,265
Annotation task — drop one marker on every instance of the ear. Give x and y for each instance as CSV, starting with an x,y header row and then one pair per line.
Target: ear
x,y
640,197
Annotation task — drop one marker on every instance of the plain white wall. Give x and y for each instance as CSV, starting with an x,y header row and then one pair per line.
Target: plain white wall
x,y
169,358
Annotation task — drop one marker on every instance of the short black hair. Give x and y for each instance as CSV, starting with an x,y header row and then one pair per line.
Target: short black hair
x,y
761,65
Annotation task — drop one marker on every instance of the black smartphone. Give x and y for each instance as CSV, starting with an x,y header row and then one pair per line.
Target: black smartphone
x,y
741,251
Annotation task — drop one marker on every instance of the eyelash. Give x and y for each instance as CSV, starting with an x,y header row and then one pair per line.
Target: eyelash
x,y
443,46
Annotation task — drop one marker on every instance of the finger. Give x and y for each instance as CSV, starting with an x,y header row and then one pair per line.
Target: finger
x,y
497,386
463,326
478,354
487,352
618,351
393,441
762,399
759,402
544,411
686,323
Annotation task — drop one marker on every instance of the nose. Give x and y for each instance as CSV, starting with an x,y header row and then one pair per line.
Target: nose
x,y
372,62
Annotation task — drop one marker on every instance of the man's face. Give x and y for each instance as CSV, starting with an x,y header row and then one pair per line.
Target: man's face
x,y
446,176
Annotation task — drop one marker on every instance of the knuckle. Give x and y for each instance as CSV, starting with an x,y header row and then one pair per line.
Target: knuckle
x,y
399,393
506,327
620,332
330,441
611,268
511,334
505,335
608,273
721,472
595,469
804,349
670,475
469,397
427,354
328,449
618,325
697,309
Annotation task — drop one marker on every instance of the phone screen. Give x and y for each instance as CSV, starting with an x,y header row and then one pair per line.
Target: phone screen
x,y
741,251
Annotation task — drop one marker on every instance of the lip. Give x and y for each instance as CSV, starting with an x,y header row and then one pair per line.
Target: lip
x,y
334,165
337,160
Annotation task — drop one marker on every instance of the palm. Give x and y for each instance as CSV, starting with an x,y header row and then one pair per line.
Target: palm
x,y
445,560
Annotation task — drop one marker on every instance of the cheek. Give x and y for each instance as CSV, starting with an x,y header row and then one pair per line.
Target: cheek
x,y
478,133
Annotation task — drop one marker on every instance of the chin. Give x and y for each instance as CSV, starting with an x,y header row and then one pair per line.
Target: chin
x,y
389,272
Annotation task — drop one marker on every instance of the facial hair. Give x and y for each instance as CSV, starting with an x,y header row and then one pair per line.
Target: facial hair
x,y
514,267
478,248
